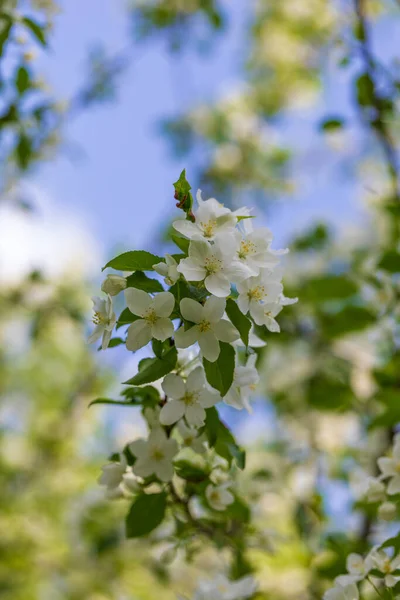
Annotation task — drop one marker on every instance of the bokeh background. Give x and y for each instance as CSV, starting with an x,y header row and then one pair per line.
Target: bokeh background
x,y
102,105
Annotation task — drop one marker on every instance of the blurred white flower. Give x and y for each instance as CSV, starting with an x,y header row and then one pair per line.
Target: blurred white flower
x,y
220,588
154,455
113,284
245,379
219,497
104,318
390,467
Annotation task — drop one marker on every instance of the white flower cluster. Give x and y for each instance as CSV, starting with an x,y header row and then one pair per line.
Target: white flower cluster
x,y
221,588
225,257
380,563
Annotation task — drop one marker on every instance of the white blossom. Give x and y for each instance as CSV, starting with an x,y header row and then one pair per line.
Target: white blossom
x,y
191,438
209,328
112,473
104,318
386,565
375,491
387,511
357,569
245,378
130,483
390,467
265,287
113,284
218,496
211,218
220,588
254,252
154,322
154,455
342,592
187,399
168,269
212,263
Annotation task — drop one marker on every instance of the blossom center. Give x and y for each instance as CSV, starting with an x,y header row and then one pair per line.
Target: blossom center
x,y
208,227
246,248
190,398
257,293
212,265
204,326
386,566
100,319
150,316
157,454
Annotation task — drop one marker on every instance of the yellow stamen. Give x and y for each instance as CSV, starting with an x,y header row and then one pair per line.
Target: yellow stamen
x,y
257,293
150,316
212,265
246,248
208,228
204,326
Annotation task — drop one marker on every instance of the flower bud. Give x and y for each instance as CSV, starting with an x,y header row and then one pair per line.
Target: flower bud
x,y
113,284
387,511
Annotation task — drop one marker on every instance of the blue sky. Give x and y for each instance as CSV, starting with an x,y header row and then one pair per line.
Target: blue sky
x,y
115,170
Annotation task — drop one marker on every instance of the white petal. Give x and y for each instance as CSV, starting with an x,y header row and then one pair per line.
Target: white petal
x,y
207,398
184,339
143,467
186,228
139,335
196,379
164,470
191,310
225,331
199,250
106,339
257,312
96,334
162,329
195,415
191,270
163,304
171,412
173,386
138,301
161,268
218,284
243,303
386,465
138,448
394,485
209,346
214,308
171,448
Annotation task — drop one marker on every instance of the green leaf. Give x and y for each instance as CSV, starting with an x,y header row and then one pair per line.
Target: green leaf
x,y
23,151
22,80
220,373
351,318
125,318
135,260
393,542
181,242
328,287
190,472
212,425
140,281
146,513
221,439
242,217
239,320
5,30
160,349
109,401
146,395
365,90
314,239
326,393
37,30
332,124
182,193
390,261
155,368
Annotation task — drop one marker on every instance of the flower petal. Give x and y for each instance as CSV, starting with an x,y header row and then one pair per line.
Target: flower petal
x,y
196,379
243,303
143,467
394,485
214,309
207,398
164,470
191,310
184,339
162,329
218,284
138,448
186,228
195,415
138,301
209,346
191,270
106,339
199,250
139,335
173,386
386,465
225,331
96,334
163,304
171,412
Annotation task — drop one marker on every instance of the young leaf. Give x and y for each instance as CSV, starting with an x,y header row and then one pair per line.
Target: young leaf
x,y
182,193
181,242
239,320
155,368
220,373
134,260
145,514
5,30
328,287
140,281
190,472
36,29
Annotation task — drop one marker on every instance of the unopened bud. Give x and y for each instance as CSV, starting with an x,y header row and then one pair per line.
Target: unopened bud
x,y
113,284
387,511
